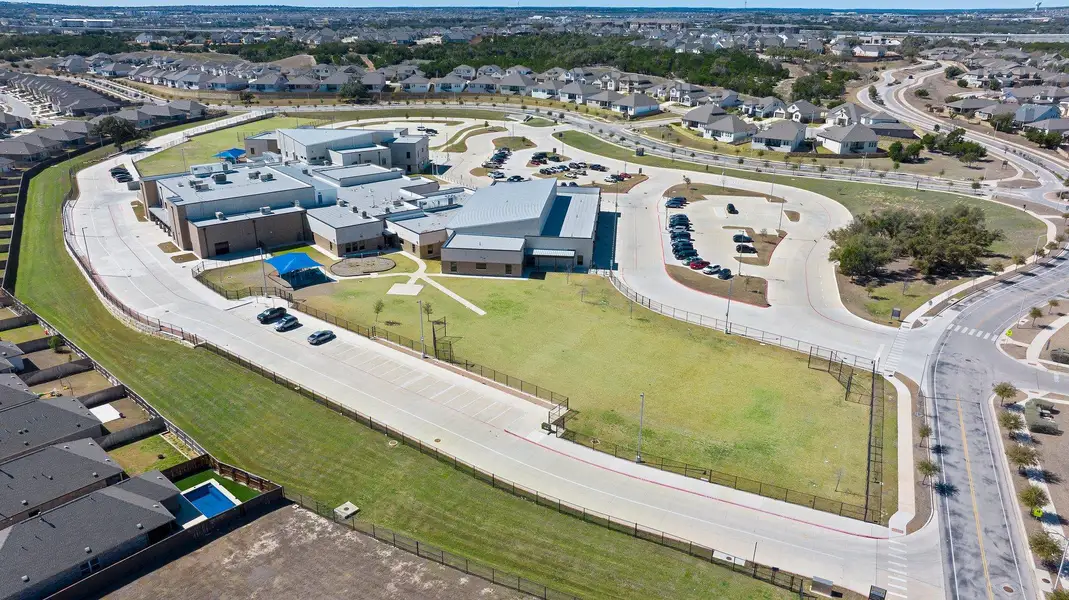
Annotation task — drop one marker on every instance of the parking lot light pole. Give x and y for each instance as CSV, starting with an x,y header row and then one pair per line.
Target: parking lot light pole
x,y
422,344
641,414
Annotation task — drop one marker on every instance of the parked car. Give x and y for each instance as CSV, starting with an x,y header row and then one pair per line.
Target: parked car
x,y
321,337
286,323
421,128
271,314
678,220
554,158
698,264
123,178
571,184
711,270
741,238
515,178
624,176
118,169
497,175
724,274
732,210
611,179
597,167
745,249
673,203
686,254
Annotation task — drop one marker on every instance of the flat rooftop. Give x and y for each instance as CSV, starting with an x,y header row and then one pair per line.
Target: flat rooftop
x,y
338,216
178,189
467,241
246,216
435,221
573,214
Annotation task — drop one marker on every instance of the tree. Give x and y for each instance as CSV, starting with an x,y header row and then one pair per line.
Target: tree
x,y
1045,546
927,469
925,432
895,151
1003,122
1034,313
1034,497
428,310
353,91
1058,594
860,255
1004,390
962,83
120,131
55,343
952,72
378,308
1052,304
246,97
1010,421
921,93
1022,457
1018,261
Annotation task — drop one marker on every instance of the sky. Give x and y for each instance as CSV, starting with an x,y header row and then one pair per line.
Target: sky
x,y
830,4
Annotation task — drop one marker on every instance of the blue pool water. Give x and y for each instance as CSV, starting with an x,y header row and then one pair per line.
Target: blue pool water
x,y
209,500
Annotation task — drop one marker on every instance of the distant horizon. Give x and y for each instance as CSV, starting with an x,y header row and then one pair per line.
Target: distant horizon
x,y
829,5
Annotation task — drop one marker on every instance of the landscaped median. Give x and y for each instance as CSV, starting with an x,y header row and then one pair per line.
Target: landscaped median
x,y
247,420
908,289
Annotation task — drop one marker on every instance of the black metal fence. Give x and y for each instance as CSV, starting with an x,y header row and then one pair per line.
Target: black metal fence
x,y
764,573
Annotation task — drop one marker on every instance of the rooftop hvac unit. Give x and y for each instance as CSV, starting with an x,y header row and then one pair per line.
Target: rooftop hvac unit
x,y
355,209
450,200
343,203
193,182
219,177
265,210
398,203
267,177
387,210
254,174
219,215
364,214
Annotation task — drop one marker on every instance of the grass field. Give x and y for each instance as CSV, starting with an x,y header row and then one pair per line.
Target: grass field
x,y
23,334
461,145
202,148
513,143
144,455
245,420
1021,229
757,410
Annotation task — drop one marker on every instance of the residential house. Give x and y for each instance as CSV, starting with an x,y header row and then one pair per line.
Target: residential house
x,y
490,71
1051,125
801,111
636,105
302,84
884,125
852,139
869,51
996,109
762,107
465,72
515,83
677,90
723,98
519,70
781,136
483,84
374,82
577,92
452,83
416,84
269,82
729,129
698,118
228,83
548,89
966,106
603,99
1030,113
845,114
333,83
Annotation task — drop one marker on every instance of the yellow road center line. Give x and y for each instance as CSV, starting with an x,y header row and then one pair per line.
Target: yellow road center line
x,y
975,508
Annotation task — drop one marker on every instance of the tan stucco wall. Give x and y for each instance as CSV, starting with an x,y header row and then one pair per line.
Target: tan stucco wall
x,y
246,234
494,269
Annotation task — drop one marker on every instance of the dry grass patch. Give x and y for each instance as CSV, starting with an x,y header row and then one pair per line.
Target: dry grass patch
x,y
168,247
184,258
139,211
622,187
765,243
742,288
696,192
792,215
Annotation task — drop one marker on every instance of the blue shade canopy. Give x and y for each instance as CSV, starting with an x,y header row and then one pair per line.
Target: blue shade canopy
x,y
232,154
288,263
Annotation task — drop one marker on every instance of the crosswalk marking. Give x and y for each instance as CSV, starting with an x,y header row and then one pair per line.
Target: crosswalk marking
x,y
972,331
987,336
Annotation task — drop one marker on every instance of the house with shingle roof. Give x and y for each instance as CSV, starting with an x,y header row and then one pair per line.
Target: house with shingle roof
x,y
852,139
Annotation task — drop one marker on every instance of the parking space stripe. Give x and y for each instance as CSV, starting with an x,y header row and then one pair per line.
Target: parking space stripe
x,y
492,404
903,588
451,386
890,593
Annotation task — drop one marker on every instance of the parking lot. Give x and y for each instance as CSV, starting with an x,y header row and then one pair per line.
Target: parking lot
x,y
716,234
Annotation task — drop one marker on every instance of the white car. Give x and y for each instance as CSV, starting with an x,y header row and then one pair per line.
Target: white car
x,y
711,270
421,128
497,175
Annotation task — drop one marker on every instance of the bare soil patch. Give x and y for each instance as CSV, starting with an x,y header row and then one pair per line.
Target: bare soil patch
x,y
745,289
622,187
350,267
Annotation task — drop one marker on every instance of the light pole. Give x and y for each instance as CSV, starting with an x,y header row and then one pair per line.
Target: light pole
x,y
641,415
86,244
263,269
422,345
727,316
1039,240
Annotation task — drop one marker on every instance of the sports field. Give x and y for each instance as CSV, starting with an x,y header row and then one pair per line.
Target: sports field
x,y
711,400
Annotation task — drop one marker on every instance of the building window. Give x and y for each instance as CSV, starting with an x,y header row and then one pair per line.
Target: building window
x,y
480,266
452,267
579,260
408,155
508,269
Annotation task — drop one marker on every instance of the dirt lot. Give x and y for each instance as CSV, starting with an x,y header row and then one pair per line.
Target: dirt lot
x,y
292,553
75,385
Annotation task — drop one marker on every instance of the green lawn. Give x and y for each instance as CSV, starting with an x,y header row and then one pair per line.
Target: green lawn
x,y
144,455
202,148
240,492
461,145
407,113
23,334
245,420
539,122
756,411
513,143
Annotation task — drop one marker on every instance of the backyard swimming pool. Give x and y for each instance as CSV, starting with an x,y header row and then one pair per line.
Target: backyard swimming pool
x,y
209,498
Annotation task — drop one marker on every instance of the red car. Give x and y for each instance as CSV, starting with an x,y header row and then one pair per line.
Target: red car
x,y
698,264
624,175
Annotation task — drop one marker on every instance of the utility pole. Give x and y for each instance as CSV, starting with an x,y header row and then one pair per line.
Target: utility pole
x,y
263,269
86,244
641,414
727,316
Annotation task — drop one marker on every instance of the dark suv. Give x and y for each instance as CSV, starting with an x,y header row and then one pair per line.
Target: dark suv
x,y
271,315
